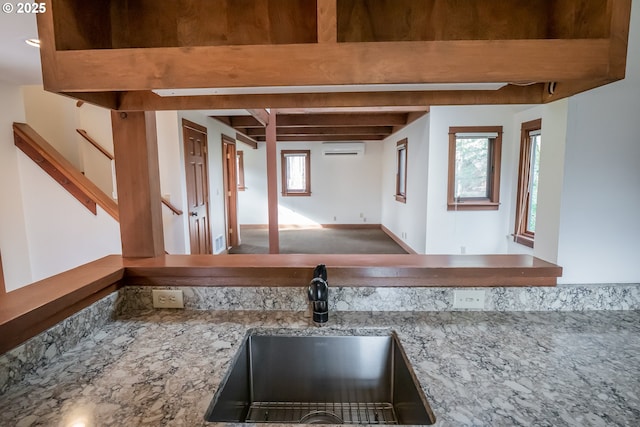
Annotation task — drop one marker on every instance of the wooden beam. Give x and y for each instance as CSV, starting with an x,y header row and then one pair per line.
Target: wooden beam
x,y
619,36
110,100
272,184
327,21
136,160
261,115
510,94
327,138
343,130
344,119
247,140
315,120
459,61
244,122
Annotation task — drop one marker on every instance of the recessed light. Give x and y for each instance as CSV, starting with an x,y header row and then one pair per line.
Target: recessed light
x,y
33,42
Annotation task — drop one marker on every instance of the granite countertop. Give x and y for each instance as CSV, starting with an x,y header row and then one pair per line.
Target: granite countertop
x,y
476,368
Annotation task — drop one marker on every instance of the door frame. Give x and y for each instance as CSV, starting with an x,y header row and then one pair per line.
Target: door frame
x,y
230,191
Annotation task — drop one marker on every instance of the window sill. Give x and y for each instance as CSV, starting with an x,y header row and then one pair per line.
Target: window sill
x,y
296,194
524,240
473,206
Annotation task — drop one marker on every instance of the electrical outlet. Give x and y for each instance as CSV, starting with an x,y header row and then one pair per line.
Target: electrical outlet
x,y
167,298
472,299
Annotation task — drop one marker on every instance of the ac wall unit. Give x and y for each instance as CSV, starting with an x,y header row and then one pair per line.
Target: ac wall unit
x,y
342,148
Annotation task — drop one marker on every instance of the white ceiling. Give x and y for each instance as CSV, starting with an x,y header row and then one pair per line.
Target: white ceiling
x,y
19,62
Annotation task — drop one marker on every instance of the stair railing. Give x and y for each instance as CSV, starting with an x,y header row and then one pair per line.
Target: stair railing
x,y
85,135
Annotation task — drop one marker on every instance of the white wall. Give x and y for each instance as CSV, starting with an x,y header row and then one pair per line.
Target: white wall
x,y
172,182
554,124
56,118
599,225
344,189
97,167
253,201
478,232
61,232
552,158
407,220
13,229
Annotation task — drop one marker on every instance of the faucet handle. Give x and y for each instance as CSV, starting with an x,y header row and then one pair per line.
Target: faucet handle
x,y
320,271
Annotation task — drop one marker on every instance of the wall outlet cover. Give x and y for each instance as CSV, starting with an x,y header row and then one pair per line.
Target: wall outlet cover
x,y
469,299
167,298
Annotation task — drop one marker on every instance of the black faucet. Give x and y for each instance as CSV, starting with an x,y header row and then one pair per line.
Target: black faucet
x,y
319,295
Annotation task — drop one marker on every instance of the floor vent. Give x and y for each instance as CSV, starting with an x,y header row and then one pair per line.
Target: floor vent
x,y
219,244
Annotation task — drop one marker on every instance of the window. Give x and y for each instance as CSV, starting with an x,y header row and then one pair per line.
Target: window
x,y
474,168
296,179
528,173
401,171
240,169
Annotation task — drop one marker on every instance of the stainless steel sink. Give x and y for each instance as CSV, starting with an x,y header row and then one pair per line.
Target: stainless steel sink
x,y
320,380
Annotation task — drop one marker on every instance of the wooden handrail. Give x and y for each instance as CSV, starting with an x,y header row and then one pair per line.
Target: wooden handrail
x,y
60,169
173,208
93,142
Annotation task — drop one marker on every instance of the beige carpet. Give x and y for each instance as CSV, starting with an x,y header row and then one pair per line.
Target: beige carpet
x,y
319,241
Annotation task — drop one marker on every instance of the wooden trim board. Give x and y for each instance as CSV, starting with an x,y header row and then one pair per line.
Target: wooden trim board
x,y
28,311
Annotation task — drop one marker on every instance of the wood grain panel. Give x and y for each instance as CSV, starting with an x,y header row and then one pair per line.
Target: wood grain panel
x,y
137,170
410,20
327,21
318,64
80,27
345,270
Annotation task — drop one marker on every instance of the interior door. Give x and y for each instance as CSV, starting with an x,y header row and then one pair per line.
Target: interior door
x,y
230,178
195,157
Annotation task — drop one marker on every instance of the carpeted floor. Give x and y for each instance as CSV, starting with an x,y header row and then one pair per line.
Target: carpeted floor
x,y
319,241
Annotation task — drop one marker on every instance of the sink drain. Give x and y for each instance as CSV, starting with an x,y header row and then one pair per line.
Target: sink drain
x,y
321,417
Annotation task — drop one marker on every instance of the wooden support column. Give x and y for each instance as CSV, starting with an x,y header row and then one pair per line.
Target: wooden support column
x,y
272,184
137,171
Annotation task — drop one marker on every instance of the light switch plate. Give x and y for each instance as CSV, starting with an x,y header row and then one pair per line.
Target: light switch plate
x,y
167,298
467,298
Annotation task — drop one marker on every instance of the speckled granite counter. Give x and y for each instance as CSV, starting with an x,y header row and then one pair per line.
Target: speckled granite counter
x,y
476,368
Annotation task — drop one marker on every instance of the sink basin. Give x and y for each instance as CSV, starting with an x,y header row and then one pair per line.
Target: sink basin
x,y
320,380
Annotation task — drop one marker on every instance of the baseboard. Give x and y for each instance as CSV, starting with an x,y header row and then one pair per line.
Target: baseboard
x,y
398,240
352,226
294,226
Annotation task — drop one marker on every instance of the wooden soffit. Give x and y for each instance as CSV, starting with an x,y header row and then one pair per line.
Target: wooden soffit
x,y
541,50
